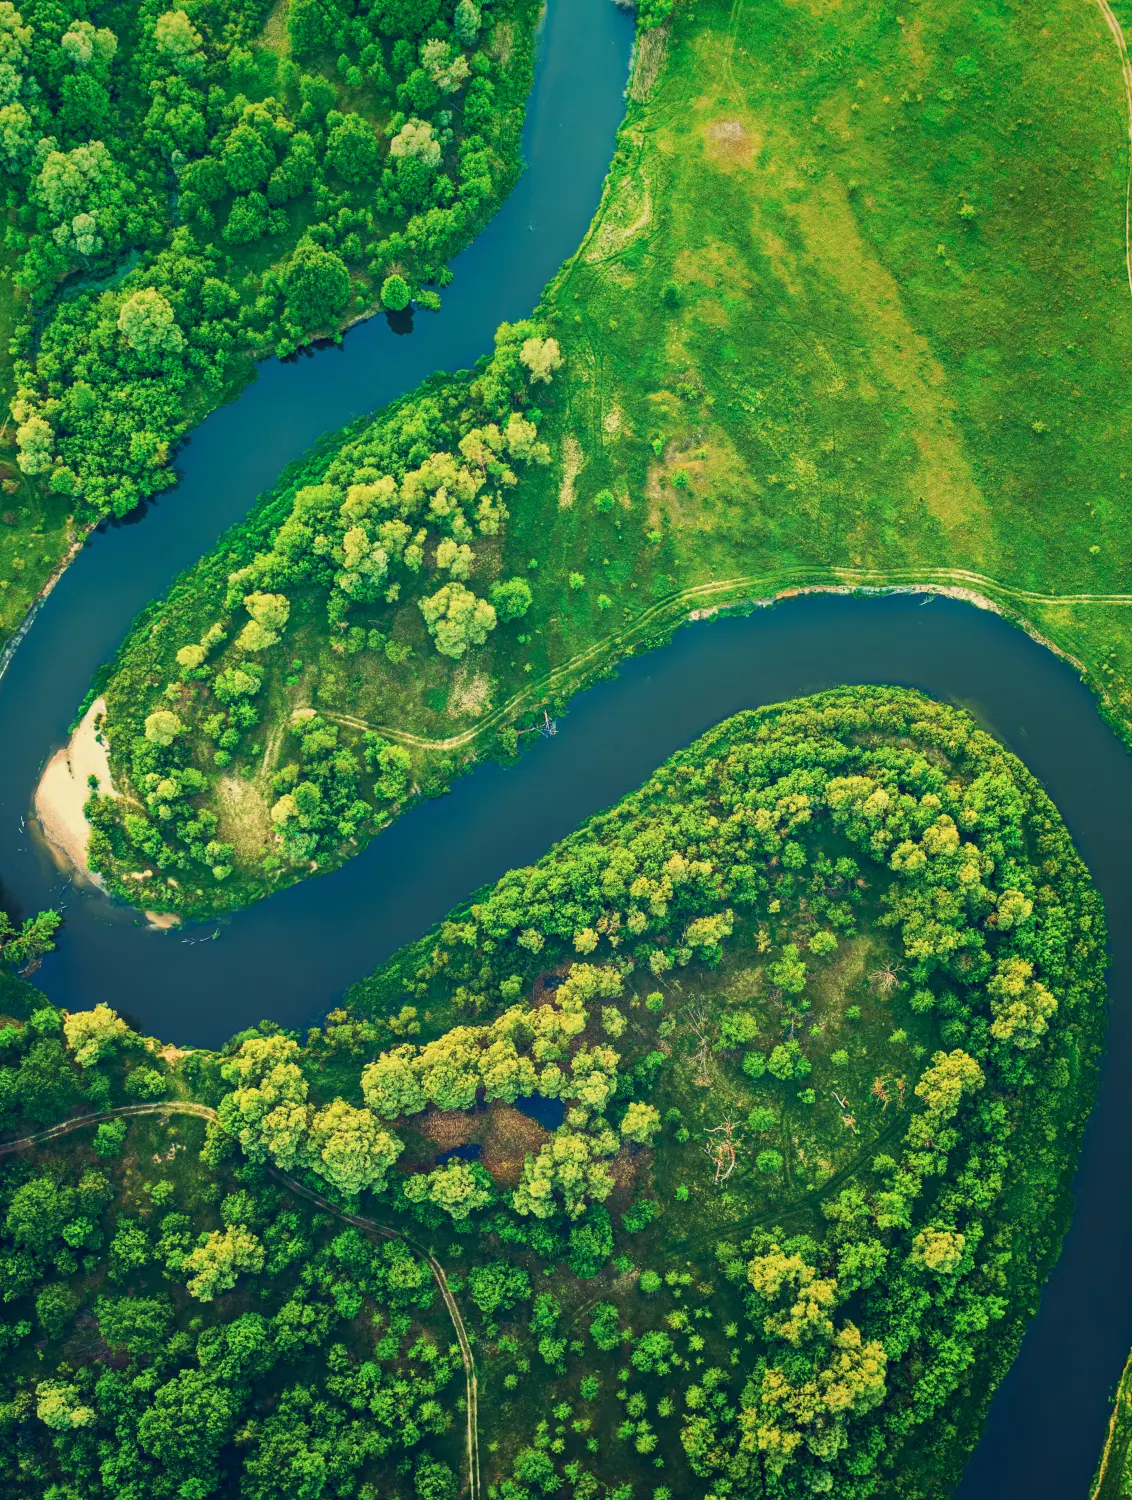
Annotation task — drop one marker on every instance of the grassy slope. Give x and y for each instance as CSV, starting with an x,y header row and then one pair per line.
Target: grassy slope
x,y
854,309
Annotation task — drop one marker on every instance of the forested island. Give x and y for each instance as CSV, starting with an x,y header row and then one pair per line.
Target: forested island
x,y
723,1150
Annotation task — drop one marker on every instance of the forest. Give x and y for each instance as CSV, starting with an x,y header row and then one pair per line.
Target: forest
x,y
188,191
743,1122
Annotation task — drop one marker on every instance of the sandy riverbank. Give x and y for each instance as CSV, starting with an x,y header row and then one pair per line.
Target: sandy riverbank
x,y
63,791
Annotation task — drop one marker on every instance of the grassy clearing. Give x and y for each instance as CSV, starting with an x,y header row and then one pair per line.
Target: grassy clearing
x,y
857,299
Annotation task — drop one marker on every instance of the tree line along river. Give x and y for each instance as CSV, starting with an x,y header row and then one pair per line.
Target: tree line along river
x,y
291,956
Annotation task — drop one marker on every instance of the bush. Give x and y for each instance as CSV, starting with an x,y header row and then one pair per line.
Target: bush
x,y
110,1137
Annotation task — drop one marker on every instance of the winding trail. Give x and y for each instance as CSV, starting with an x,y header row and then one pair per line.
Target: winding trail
x,y
293,1185
702,599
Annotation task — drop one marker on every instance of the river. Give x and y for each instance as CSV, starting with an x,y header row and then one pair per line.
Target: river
x,y
291,957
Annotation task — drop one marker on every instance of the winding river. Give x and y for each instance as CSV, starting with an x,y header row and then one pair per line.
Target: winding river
x,y
292,956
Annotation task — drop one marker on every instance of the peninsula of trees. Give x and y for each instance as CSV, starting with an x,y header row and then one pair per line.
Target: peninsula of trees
x,y
731,1140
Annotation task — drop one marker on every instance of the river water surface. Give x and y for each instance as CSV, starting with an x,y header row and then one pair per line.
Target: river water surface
x,y
290,957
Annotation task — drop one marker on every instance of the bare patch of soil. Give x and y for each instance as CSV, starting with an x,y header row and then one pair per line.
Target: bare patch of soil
x,y
511,1136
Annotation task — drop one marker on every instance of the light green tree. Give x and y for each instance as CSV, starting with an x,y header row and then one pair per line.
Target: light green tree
x,y
569,1165
18,135
939,1250
1021,1005
456,619
91,1034
466,22
179,42
349,1148
218,1260
57,1405
456,1188
641,1123
447,68
541,357
505,1073
391,1084
162,727
83,44
35,441
267,1110
269,614
147,324
415,139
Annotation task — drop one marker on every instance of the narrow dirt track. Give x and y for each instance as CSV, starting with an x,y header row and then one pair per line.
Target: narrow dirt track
x,y
368,1226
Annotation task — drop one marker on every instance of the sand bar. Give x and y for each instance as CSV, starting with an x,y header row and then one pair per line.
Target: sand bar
x,y
63,791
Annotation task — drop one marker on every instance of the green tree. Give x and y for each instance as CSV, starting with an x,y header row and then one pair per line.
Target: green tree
x,y
435,1481
316,287
27,944
147,324
349,1149
458,1188
352,149
392,1086
511,598
541,358
92,1034
456,619
396,293
215,1264
58,1406
415,141
178,41
640,1123
162,727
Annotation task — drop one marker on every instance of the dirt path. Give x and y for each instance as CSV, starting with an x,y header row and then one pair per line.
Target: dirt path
x,y
706,598
369,1226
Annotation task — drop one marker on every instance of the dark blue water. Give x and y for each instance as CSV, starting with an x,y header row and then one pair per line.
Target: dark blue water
x,y
470,1151
549,1113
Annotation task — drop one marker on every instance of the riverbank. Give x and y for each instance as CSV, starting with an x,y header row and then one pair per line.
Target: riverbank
x,y
64,789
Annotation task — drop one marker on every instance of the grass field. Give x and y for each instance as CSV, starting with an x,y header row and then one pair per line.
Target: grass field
x,y
858,300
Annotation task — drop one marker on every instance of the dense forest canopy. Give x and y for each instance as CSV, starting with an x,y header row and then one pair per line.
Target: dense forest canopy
x,y
739,1128
193,188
